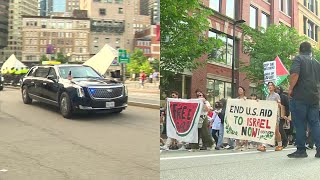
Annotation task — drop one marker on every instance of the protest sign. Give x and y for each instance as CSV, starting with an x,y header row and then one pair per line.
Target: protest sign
x,y
269,71
251,120
182,119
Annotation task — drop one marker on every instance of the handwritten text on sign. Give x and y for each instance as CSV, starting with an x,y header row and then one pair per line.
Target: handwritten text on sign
x,y
251,120
269,71
182,119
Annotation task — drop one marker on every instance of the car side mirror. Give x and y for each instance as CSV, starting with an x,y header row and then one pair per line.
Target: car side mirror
x,y
52,77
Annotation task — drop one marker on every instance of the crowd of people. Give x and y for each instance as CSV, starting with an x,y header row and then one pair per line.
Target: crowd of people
x,y
301,127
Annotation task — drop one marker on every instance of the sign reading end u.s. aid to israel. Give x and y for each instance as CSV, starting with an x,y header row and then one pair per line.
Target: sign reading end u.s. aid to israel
x,y
182,119
251,120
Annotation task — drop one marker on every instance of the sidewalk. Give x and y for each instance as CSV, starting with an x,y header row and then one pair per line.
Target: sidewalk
x,y
148,98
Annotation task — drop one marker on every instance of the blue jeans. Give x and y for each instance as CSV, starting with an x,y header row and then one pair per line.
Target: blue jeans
x,y
220,138
301,113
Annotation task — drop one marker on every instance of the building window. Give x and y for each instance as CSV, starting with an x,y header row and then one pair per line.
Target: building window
x,y
96,39
253,17
118,1
215,5
281,5
107,40
102,12
311,5
230,9
316,33
225,52
108,1
217,90
117,40
120,10
316,6
265,20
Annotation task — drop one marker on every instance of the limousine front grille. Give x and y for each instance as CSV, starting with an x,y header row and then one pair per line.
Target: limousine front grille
x,y
106,93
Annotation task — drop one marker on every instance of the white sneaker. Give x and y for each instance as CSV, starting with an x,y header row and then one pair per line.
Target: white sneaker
x,y
227,147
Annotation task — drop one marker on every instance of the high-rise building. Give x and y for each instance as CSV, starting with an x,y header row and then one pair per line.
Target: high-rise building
x,y
309,21
46,7
72,5
17,8
4,19
68,35
114,22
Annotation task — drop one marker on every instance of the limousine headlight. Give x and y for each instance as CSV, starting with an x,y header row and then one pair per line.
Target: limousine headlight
x,y
125,90
80,92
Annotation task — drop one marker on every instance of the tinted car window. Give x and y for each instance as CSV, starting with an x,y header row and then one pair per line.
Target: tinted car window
x,y
78,72
32,72
42,72
52,72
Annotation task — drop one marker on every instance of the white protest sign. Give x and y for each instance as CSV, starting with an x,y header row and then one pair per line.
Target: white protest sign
x,y
270,73
251,120
182,119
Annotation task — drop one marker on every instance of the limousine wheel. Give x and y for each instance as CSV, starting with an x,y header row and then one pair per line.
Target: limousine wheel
x,y
65,105
25,95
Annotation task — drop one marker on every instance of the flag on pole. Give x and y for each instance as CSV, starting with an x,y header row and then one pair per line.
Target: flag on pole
x,y
281,72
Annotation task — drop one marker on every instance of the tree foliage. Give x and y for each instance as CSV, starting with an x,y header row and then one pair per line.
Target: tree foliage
x,y
276,40
139,62
62,58
184,27
43,58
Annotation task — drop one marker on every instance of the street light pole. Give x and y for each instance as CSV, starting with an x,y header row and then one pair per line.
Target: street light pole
x,y
233,56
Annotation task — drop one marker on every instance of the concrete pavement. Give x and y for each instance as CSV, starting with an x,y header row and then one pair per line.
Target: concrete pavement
x,y
230,165
38,143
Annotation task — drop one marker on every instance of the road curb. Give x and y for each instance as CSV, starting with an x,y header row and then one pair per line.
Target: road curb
x,y
131,103
145,105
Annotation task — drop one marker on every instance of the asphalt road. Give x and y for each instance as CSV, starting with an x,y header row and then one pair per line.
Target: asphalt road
x,y
37,143
237,165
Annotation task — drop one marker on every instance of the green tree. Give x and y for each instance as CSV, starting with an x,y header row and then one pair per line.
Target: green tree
x,y
262,46
62,58
184,27
138,62
316,54
155,64
43,58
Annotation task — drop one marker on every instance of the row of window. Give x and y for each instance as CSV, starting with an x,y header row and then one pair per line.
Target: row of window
x,y
265,18
103,11
217,90
310,29
107,40
231,10
312,5
143,43
109,1
57,24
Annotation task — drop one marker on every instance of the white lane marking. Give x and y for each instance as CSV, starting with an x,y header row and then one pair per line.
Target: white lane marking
x,y
214,155
3,170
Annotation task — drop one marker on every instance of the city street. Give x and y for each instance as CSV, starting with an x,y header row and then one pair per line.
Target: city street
x,y
38,143
228,165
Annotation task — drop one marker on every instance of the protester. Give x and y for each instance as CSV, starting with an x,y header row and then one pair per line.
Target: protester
x,y
243,144
273,96
304,105
216,123
162,118
170,141
283,120
221,115
202,125
142,78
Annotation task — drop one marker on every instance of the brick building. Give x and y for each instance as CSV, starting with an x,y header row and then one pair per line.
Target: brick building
x,y
215,78
148,42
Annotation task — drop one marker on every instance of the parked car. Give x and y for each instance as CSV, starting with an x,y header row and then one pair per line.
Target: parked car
x,y
1,82
73,88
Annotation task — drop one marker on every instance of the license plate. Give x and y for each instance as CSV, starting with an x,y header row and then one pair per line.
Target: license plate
x,y
109,104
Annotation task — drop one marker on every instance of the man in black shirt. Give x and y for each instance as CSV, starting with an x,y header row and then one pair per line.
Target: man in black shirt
x,y
304,105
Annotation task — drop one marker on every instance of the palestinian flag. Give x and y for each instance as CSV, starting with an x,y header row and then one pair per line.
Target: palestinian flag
x,y
282,74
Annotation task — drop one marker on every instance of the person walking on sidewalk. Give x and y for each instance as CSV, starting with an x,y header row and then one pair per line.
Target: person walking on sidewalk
x,y
304,105
142,78
203,131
